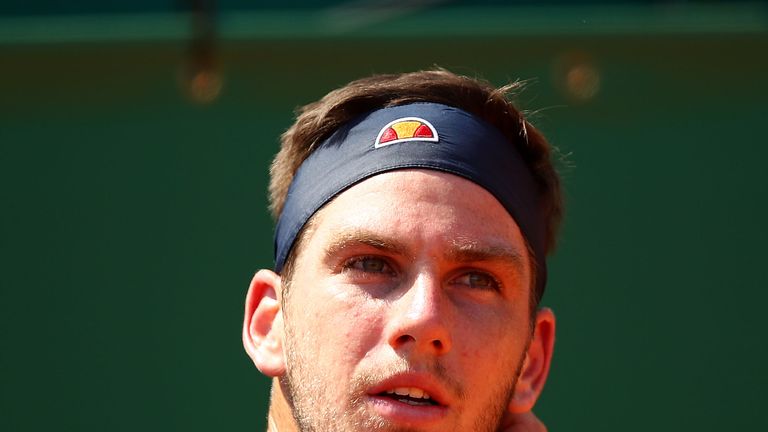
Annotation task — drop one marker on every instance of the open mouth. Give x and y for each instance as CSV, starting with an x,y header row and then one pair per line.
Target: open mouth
x,y
409,395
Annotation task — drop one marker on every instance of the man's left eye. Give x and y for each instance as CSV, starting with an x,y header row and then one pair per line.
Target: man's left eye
x,y
477,280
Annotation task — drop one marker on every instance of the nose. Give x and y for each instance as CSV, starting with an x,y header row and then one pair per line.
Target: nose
x,y
419,319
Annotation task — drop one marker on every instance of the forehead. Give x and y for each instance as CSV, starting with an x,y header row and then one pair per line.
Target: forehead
x,y
420,204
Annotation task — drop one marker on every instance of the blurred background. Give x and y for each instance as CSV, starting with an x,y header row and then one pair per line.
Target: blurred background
x,y
134,144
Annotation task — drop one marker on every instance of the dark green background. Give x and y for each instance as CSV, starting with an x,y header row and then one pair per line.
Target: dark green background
x,y
131,220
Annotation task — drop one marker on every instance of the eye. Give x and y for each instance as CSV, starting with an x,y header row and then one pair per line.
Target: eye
x,y
477,280
368,264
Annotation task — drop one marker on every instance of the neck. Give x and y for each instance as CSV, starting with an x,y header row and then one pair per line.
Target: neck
x,y
280,418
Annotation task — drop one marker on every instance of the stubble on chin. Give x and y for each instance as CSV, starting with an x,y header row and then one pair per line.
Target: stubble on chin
x,y
313,409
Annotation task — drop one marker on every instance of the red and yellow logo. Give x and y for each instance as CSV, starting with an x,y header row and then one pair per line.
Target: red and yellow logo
x,y
406,129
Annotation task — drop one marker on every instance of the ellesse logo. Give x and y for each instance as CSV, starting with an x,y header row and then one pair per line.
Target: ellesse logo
x,y
406,129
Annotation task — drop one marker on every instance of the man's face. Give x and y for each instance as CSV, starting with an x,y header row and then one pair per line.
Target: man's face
x,y
408,308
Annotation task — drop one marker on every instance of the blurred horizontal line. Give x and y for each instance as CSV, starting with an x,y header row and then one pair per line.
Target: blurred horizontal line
x,y
94,28
741,18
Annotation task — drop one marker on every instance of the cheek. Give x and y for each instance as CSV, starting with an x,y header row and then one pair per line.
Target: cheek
x,y
346,326
493,342
362,329
477,350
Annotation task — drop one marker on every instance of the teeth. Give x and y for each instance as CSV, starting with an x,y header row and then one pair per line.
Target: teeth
x,y
413,392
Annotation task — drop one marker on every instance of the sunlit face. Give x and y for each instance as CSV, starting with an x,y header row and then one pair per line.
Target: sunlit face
x,y
408,308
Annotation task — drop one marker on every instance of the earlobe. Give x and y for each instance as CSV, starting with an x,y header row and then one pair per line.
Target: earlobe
x,y
263,325
535,368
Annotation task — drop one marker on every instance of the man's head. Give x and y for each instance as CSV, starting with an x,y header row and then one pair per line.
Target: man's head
x,y
412,291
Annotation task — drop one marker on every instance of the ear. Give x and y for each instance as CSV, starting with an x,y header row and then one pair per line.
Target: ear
x,y
535,368
263,324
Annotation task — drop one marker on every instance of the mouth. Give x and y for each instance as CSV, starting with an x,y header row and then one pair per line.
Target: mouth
x,y
408,407
409,395
412,400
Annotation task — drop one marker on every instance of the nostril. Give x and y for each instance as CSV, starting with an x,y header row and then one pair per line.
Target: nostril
x,y
404,339
437,344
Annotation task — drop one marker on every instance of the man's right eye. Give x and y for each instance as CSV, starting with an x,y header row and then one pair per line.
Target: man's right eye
x,y
369,265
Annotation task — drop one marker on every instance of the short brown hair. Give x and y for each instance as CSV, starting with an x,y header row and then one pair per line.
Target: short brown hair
x,y
318,120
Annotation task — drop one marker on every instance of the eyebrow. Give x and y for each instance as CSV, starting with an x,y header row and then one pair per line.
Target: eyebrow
x,y
472,251
462,250
356,237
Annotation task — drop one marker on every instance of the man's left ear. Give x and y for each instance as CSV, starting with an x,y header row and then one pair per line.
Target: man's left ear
x,y
535,368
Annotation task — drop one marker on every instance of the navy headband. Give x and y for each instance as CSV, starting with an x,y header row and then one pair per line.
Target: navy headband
x,y
418,135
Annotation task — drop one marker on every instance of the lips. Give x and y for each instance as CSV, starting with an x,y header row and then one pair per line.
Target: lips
x,y
411,399
410,395
420,388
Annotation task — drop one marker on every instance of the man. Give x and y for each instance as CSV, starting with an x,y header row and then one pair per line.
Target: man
x,y
415,212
